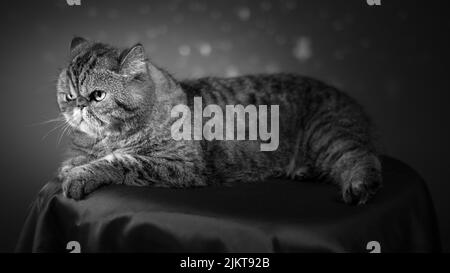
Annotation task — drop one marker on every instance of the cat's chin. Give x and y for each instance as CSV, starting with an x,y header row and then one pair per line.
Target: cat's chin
x,y
84,127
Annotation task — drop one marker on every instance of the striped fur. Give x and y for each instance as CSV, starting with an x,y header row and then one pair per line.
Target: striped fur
x,y
126,138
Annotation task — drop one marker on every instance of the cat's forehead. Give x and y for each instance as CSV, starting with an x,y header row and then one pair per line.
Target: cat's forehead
x,y
100,79
94,67
103,77
98,56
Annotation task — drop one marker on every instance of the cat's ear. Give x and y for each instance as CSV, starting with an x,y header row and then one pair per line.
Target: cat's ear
x,y
133,61
76,42
77,45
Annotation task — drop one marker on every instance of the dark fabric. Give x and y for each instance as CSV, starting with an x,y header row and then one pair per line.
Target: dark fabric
x,y
274,216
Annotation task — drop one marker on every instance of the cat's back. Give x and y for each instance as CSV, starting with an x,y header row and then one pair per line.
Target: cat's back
x,y
254,89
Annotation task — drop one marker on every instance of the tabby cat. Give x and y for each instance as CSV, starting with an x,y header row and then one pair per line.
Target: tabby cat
x,y
118,105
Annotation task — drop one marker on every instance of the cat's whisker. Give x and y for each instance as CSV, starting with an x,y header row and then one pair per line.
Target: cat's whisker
x,y
66,128
59,126
64,133
58,119
61,134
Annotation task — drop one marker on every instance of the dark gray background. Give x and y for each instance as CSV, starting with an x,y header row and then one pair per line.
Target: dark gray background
x,y
392,58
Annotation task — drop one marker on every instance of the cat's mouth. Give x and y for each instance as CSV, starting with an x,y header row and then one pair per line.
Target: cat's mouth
x,y
85,121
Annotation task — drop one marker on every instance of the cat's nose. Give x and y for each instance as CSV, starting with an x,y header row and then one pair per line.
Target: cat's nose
x,y
82,102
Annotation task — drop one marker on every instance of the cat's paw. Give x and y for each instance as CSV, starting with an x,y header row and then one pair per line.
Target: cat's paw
x,y
75,184
358,192
63,171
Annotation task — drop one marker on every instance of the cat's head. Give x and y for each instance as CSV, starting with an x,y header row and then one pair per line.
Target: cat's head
x,y
105,89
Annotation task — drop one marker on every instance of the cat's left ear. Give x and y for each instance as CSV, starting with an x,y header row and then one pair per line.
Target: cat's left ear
x,y
133,61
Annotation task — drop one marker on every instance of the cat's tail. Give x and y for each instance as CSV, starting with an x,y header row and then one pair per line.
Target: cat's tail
x,y
342,149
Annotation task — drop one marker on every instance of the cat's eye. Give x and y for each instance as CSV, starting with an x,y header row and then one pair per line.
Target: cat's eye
x,y
98,95
69,97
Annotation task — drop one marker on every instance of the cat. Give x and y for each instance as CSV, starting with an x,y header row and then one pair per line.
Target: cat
x,y
118,102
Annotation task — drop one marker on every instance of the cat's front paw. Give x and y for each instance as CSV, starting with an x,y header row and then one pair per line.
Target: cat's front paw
x,y
75,184
63,171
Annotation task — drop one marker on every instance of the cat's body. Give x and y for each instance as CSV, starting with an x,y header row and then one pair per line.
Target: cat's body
x,y
124,134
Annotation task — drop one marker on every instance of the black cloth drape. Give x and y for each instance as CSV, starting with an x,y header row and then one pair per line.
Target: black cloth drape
x,y
273,216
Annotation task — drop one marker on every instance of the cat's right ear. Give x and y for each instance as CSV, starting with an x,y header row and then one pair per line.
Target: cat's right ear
x,y
133,61
76,44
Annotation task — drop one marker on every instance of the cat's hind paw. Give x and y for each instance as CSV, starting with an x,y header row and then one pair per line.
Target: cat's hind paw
x,y
359,192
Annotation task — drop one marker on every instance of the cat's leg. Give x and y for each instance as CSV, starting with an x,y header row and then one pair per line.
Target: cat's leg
x,y
130,170
359,173
355,169
340,146
302,173
298,168
69,164
298,171
351,165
